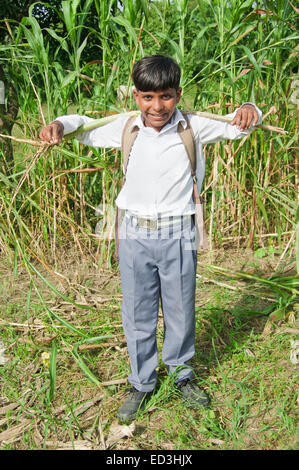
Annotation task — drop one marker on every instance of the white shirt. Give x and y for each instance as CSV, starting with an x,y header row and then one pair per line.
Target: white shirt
x,y
158,179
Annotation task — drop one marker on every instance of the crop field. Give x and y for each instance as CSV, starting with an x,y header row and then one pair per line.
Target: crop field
x,y
63,356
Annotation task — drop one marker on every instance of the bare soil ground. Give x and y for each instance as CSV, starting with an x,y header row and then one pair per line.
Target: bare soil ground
x,y
248,374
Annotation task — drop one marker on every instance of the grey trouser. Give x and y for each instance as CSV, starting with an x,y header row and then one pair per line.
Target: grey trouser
x,y
154,265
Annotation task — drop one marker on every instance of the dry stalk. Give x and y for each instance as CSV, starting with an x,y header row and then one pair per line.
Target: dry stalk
x,y
35,159
86,77
38,98
44,326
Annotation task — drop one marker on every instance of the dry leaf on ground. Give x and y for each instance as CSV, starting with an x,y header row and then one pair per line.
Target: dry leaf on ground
x,y
14,433
118,432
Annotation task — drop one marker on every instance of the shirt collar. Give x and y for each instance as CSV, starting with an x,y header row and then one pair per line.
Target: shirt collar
x,y
175,119
178,117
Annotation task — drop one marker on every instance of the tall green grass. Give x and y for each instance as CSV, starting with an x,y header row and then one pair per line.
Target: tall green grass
x,y
245,54
229,52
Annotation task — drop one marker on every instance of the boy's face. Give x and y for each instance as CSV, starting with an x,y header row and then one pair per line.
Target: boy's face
x,y
157,107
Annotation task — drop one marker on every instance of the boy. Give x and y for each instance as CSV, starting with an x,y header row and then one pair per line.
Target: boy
x,y
155,258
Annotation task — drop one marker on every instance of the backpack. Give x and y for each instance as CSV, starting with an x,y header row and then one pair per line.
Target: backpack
x,y
188,139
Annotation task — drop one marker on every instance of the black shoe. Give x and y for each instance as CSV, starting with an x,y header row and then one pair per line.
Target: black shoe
x,y
135,402
192,395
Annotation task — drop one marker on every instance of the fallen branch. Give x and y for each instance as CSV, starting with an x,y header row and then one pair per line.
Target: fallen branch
x,y
7,408
15,433
90,347
280,331
41,326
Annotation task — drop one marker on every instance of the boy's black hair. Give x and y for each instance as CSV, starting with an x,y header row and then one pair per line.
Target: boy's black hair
x,y
156,72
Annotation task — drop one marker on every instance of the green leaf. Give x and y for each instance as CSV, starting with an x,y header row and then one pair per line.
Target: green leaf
x,y
52,371
252,60
85,369
262,209
129,28
69,78
260,253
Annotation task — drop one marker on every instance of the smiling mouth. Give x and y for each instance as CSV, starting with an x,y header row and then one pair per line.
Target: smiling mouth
x,y
158,116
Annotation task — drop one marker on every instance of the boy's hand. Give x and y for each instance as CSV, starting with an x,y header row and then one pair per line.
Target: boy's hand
x,y
245,116
52,133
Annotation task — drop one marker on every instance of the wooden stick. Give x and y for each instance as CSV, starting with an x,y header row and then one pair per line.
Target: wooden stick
x,y
218,117
36,143
83,170
100,122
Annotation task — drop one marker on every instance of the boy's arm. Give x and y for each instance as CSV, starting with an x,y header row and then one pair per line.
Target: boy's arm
x,y
247,115
107,136
244,120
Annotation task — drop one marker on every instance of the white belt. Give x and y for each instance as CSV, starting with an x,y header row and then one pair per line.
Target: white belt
x,y
160,222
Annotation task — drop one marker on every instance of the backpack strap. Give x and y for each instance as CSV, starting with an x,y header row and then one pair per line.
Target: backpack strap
x,y
188,139
127,140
